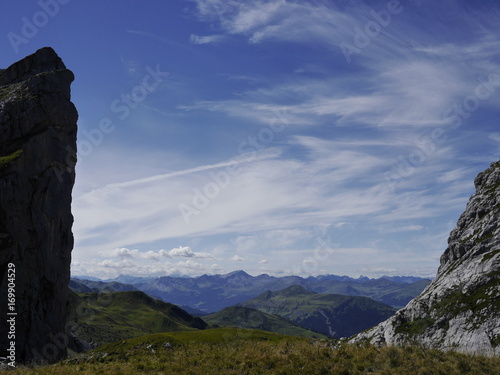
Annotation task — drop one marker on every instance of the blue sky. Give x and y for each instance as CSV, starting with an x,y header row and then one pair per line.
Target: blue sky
x,y
279,137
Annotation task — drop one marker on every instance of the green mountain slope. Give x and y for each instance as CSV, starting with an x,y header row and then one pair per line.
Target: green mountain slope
x,y
245,317
330,314
106,317
400,297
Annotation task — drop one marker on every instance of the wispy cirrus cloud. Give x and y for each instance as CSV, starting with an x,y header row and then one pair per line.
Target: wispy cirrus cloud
x,y
262,21
334,182
206,39
406,84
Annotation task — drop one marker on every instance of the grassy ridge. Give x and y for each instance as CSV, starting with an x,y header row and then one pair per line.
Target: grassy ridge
x,y
238,351
108,317
244,317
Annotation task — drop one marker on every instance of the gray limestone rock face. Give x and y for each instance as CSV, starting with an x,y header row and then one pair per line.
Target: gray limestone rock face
x,y
37,172
460,308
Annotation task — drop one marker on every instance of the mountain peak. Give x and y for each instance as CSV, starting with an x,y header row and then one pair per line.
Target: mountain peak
x,y
239,273
294,290
43,60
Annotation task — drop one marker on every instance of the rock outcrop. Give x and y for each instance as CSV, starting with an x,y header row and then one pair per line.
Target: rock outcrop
x,y
37,172
460,308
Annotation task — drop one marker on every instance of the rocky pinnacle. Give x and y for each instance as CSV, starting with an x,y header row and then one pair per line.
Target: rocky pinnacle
x,y
37,172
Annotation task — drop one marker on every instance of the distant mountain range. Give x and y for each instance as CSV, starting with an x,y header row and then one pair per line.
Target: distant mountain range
x,y
211,293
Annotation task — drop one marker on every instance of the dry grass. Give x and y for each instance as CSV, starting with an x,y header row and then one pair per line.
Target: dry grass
x,y
262,354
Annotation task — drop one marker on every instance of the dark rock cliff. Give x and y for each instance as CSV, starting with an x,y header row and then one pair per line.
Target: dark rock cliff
x,y
460,308
37,160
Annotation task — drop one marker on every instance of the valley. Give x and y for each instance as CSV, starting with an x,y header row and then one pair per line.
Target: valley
x,y
107,311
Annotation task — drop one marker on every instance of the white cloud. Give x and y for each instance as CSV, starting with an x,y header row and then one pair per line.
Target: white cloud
x,y
164,253
186,252
178,252
182,251
152,255
125,253
237,258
